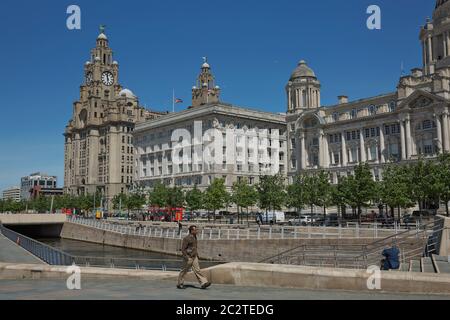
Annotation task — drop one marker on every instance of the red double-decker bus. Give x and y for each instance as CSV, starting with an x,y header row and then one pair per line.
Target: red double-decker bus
x,y
166,214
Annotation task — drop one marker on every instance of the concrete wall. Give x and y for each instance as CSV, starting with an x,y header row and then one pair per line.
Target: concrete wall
x,y
17,219
222,250
266,275
445,240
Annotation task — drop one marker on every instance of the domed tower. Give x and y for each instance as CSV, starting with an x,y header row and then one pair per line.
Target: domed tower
x,y
303,89
205,91
435,38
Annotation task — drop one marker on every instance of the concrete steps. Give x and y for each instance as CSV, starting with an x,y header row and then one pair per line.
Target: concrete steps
x,y
442,264
414,266
426,265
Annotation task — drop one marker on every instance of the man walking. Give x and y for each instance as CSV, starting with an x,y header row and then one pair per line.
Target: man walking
x,y
190,255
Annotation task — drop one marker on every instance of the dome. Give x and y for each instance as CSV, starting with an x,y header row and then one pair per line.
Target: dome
x,y
87,63
102,36
97,59
440,3
115,62
206,65
127,93
302,70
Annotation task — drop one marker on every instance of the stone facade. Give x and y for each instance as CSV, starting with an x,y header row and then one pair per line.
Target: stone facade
x,y
154,145
397,127
99,148
11,194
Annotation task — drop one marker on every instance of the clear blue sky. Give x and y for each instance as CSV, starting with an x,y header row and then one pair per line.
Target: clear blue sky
x,y
252,45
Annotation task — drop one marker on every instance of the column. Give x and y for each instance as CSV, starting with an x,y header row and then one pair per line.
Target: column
x,y
362,146
447,42
302,151
430,49
344,151
444,43
402,140
382,146
408,138
440,143
325,156
289,99
424,54
446,132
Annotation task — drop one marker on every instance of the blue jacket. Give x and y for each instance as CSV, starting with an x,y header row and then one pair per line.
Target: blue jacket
x,y
392,258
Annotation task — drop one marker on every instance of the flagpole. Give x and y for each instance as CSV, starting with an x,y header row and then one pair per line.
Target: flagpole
x,y
173,101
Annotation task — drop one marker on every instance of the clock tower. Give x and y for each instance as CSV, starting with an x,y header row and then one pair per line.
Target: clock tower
x,y
99,153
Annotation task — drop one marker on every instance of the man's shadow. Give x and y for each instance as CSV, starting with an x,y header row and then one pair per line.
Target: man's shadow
x,y
190,286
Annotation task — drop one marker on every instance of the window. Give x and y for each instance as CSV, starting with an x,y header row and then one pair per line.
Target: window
x,y
392,106
337,158
372,110
335,116
427,124
373,152
353,114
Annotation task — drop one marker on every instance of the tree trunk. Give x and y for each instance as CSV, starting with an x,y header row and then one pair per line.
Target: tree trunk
x,y
359,214
399,214
446,208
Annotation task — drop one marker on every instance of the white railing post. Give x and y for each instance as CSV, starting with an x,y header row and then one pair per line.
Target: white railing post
x,y
270,233
167,234
282,232
210,234
238,233
228,234
219,233
259,233
203,234
173,233
248,234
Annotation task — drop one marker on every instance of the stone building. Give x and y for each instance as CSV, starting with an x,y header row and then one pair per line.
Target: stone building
x,y
154,142
99,152
12,193
397,127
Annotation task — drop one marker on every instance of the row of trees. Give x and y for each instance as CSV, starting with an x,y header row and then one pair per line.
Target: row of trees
x,y
402,187
46,204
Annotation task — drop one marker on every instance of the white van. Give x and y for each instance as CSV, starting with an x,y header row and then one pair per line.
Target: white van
x,y
275,216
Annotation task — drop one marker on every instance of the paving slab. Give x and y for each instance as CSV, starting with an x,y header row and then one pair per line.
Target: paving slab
x,y
10,252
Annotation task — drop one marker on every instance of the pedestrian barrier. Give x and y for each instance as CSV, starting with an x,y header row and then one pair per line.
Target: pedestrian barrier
x,y
221,233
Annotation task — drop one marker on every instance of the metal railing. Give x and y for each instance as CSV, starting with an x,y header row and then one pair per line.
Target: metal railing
x,y
44,252
422,241
221,233
56,257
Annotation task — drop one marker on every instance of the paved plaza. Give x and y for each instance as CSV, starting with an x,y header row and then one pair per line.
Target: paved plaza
x,y
132,289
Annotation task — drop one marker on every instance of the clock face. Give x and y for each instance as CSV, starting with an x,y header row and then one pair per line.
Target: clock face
x,y
107,78
89,78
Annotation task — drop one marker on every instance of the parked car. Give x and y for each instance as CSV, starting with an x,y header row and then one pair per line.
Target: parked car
x,y
331,220
302,221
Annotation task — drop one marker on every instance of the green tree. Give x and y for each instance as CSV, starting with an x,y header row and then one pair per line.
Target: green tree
x,y
272,192
395,190
421,181
215,196
296,194
359,188
194,199
159,196
244,196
